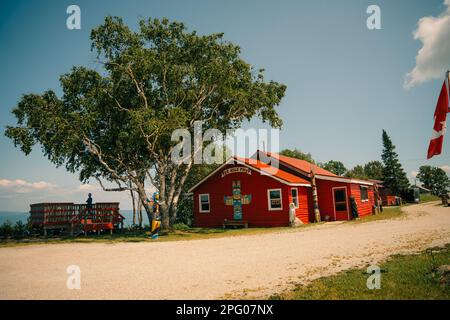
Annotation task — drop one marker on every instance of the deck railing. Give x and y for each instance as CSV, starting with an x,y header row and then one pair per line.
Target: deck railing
x,y
56,215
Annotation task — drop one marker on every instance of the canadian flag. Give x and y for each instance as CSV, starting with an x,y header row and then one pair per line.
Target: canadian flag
x,y
440,117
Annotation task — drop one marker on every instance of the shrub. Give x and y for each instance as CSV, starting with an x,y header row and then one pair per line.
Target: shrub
x,y
6,229
19,229
181,227
184,212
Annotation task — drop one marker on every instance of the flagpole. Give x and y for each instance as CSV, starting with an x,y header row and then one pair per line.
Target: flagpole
x,y
447,80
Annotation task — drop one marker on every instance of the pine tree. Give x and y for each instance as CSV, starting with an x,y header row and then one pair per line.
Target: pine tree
x,y
394,176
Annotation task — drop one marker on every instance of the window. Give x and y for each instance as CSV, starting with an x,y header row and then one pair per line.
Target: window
x,y
275,201
364,193
203,202
294,194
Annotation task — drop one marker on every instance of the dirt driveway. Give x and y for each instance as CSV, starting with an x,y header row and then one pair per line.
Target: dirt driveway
x,y
232,267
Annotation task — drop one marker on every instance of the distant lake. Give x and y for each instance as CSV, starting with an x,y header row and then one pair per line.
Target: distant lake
x,y
23,216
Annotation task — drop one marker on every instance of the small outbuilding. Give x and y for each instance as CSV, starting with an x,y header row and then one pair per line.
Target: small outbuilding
x,y
388,198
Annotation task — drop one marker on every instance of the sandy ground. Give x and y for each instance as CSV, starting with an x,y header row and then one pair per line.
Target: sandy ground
x,y
233,267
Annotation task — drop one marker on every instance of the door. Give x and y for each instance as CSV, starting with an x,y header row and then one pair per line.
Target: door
x,y
340,203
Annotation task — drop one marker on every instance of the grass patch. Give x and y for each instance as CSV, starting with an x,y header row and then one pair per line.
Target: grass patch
x,y
388,213
403,277
427,197
183,234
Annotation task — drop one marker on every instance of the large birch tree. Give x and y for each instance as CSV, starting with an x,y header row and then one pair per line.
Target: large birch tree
x,y
115,124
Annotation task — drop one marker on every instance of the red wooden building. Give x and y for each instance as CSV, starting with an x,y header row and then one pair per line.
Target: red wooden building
x,y
259,194
386,195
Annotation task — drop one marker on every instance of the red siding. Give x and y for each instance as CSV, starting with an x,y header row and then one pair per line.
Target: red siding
x,y
304,203
326,202
389,200
257,212
364,208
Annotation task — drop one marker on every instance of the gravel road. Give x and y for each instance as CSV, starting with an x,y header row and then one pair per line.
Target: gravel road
x,y
253,266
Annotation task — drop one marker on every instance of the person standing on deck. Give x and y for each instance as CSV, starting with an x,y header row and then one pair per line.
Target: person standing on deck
x,y
89,205
89,201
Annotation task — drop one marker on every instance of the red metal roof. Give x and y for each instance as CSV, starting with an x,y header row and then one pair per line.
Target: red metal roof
x,y
272,171
302,165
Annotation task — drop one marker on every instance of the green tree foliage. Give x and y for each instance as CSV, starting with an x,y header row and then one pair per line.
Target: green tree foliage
x,y
394,176
116,124
374,170
357,172
17,230
295,153
435,179
371,170
6,229
336,167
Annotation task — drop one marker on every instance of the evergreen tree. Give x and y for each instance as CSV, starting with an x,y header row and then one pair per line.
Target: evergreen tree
x,y
394,175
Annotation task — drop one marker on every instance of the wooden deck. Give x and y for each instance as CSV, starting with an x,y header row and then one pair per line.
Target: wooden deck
x,y
76,218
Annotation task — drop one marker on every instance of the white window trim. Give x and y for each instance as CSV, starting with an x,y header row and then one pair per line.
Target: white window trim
x,y
200,203
270,204
367,188
298,201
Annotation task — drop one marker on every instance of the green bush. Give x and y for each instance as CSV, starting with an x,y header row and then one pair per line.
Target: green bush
x,y
20,229
17,230
6,229
181,227
184,212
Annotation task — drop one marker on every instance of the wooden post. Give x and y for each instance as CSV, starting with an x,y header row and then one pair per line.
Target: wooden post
x,y
134,205
140,213
315,198
377,199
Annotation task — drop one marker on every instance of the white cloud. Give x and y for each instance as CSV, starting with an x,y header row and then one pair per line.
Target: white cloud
x,y
446,168
22,186
16,195
86,188
433,59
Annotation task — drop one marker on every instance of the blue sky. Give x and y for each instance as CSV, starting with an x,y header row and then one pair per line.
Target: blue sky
x,y
345,83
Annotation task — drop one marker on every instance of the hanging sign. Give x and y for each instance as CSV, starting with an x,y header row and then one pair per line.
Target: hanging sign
x,y
236,170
